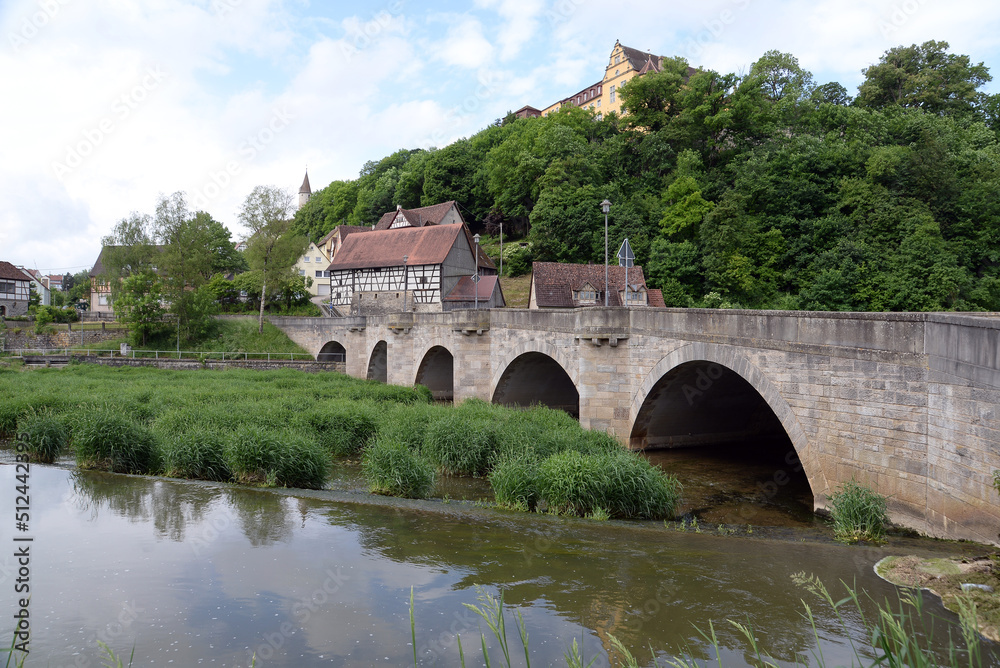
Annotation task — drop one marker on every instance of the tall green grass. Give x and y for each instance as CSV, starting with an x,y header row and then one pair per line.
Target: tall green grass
x,y
109,440
43,435
288,427
393,469
858,513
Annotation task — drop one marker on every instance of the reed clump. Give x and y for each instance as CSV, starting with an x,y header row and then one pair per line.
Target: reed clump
x,y
393,469
858,513
43,435
108,440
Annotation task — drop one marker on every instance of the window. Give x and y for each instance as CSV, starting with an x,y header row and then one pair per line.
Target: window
x,y
317,260
617,72
600,117
302,272
7,287
612,92
326,274
305,259
422,280
598,103
618,59
319,274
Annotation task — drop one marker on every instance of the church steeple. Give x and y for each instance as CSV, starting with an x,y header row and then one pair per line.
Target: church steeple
x,y
305,192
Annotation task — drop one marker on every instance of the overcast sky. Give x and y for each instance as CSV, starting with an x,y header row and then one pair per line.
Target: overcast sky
x,y
105,104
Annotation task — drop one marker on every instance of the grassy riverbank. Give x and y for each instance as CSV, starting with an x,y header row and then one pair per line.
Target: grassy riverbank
x,y
290,429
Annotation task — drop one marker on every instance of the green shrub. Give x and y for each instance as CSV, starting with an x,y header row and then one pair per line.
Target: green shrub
x,y
393,469
858,513
515,483
196,453
108,440
408,423
344,427
621,483
283,458
43,435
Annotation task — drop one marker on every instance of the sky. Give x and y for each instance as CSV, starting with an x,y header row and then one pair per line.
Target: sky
x,y
107,104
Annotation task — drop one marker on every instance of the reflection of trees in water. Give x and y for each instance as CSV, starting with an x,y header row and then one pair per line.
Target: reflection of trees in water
x,y
170,506
264,518
643,587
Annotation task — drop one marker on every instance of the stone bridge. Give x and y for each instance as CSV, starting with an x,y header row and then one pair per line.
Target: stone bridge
x,y
907,403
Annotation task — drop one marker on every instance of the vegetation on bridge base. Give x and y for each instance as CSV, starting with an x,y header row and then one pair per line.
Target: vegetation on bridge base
x,y
858,513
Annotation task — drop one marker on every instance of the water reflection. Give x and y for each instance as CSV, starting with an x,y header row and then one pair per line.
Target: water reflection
x,y
219,574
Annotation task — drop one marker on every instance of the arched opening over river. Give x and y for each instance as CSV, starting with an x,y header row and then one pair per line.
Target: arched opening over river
x,y
332,351
535,378
702,419
378,363
437,373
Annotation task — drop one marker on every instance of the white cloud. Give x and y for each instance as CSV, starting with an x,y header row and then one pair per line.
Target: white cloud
x,y
464,44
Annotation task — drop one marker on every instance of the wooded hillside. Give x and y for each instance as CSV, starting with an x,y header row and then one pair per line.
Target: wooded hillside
x,y
760,191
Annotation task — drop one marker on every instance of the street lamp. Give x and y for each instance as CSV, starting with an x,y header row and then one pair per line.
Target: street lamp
x,y
406,281
605,207
475,277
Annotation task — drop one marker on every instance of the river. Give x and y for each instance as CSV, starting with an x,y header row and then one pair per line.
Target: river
x,y
192,573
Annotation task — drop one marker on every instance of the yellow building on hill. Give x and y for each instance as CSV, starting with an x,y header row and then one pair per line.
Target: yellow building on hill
x,y
604,96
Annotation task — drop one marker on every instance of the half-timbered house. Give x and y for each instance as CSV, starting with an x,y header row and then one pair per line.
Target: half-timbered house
x,y
413,266
445,213
15,290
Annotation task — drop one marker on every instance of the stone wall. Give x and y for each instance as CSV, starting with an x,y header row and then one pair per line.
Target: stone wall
x,y
189,364
61,339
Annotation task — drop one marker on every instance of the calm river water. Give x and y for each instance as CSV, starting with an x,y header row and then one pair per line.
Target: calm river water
x,y
194,574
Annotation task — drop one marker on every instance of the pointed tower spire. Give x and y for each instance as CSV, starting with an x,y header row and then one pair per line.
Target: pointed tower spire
x,y
305,192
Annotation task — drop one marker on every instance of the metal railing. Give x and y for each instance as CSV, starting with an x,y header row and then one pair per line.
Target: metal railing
x,y
161,354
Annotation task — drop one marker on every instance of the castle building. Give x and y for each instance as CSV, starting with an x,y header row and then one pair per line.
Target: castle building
x,y
604,96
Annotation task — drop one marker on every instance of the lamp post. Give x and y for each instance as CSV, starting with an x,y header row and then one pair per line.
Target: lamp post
x,y
605,207
501,251
406,281
475,277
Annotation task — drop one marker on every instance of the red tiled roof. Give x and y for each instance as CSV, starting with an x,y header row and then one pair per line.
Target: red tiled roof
x,y
655,298
465,290
386,248
11,273
425,215
553,283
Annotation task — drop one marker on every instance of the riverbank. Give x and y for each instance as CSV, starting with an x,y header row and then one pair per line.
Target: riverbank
x,y
958,581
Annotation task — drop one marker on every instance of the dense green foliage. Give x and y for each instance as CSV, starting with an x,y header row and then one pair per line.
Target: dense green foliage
x,y
44,436
289,428
764,190
858,513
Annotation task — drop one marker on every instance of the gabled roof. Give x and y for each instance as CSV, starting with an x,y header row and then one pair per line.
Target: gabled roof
x,y
305,185
386,248
638,58
655,298
553,283
344,230
425,215
11,273
465,289
99,265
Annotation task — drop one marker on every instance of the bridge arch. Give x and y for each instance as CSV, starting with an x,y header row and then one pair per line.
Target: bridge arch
x,y
536,373
378,363
332,351
689,374
437,372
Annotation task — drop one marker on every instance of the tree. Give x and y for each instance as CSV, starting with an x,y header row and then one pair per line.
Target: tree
x,y
128,250
925,77
186,262
139,305
271,248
